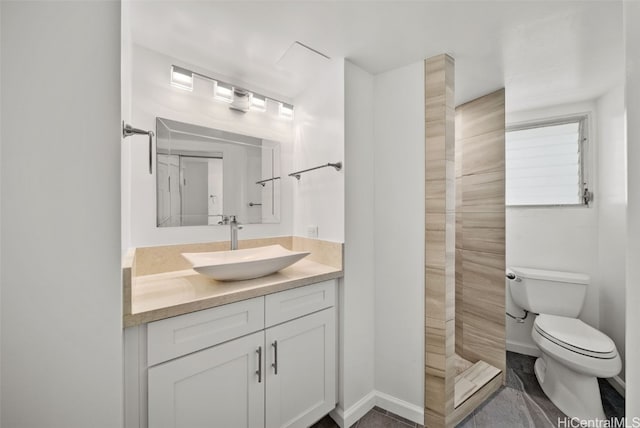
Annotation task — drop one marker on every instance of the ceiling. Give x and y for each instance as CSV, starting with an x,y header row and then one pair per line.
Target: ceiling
x,y
543,52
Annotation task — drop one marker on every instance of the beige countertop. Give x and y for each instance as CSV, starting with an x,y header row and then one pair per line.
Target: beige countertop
x,y
167,294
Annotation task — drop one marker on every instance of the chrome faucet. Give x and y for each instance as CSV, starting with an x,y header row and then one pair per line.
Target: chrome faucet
x,y
234,226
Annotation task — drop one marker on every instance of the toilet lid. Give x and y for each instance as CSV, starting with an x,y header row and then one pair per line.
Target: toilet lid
x,y
575,335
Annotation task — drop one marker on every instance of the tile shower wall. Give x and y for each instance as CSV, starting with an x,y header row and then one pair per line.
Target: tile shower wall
x,y
439,241
464,240
480,230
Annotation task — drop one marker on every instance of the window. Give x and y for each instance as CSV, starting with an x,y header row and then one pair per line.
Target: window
x,y
545,163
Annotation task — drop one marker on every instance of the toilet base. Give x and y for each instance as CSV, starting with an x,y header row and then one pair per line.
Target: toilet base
x,y
575,394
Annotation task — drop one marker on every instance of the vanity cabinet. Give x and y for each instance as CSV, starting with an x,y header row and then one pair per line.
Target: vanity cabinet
x,y
266,362
214,387
300,383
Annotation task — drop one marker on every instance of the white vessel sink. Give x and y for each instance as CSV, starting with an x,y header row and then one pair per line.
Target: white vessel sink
x,y
243,264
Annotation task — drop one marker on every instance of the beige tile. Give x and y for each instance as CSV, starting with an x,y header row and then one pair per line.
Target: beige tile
x,y
483,153
483,115
484,239
440,231
459,304
484,220
484,270
472,379
435,130
450,242
439,294
435,251
459,231
484,340
325,252
461,364
435,346
475,400
482,304
484,232
435,109
435,169
450,197
440,138
483,192
433,419
439,196
435,294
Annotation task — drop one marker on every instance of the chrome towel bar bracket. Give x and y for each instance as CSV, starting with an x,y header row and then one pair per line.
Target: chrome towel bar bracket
x,y
337,166
266,180
128,131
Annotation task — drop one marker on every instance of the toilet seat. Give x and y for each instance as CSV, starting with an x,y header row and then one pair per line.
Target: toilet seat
x,y
575,336
577,346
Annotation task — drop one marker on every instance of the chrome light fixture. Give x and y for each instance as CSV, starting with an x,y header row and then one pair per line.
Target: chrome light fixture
x,y
239,99
222,91
181,78
258,102
286,111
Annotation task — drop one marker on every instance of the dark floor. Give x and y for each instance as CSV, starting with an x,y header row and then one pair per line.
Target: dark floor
x,y
520,404
376,418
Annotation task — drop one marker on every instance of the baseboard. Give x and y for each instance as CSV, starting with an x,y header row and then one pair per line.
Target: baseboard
x,y
617,384
400,407
346,418
337,415
523,348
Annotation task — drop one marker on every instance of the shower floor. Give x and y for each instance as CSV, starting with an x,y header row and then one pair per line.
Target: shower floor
x,y
470,377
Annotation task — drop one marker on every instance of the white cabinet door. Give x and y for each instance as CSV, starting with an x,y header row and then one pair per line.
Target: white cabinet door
x,y
301,370
215,387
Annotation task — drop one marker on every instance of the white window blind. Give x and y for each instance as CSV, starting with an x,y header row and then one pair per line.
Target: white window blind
x,y
544,164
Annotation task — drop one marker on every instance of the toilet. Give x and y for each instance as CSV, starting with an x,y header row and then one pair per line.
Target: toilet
x,y
574,354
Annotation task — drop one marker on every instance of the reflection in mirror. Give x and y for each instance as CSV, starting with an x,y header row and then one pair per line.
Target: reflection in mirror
x,y
205,175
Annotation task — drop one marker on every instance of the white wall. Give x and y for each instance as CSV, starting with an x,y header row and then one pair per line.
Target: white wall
x,y
399,235
357,294
126,64
632,42
319,139
554,238
611,205
61,282
153,96
0,215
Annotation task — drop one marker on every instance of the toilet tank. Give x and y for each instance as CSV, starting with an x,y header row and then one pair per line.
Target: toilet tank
x,y
548,292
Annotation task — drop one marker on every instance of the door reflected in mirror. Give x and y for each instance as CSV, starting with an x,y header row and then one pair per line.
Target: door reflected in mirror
x,y
206,174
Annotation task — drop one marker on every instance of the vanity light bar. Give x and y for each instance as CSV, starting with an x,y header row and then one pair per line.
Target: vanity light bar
x,y
222,91
181,78
258,102
286,110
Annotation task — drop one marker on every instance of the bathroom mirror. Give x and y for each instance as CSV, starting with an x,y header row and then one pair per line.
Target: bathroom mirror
x,y
205,175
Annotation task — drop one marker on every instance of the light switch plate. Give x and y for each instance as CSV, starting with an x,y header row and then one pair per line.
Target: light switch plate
x,y
312,232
